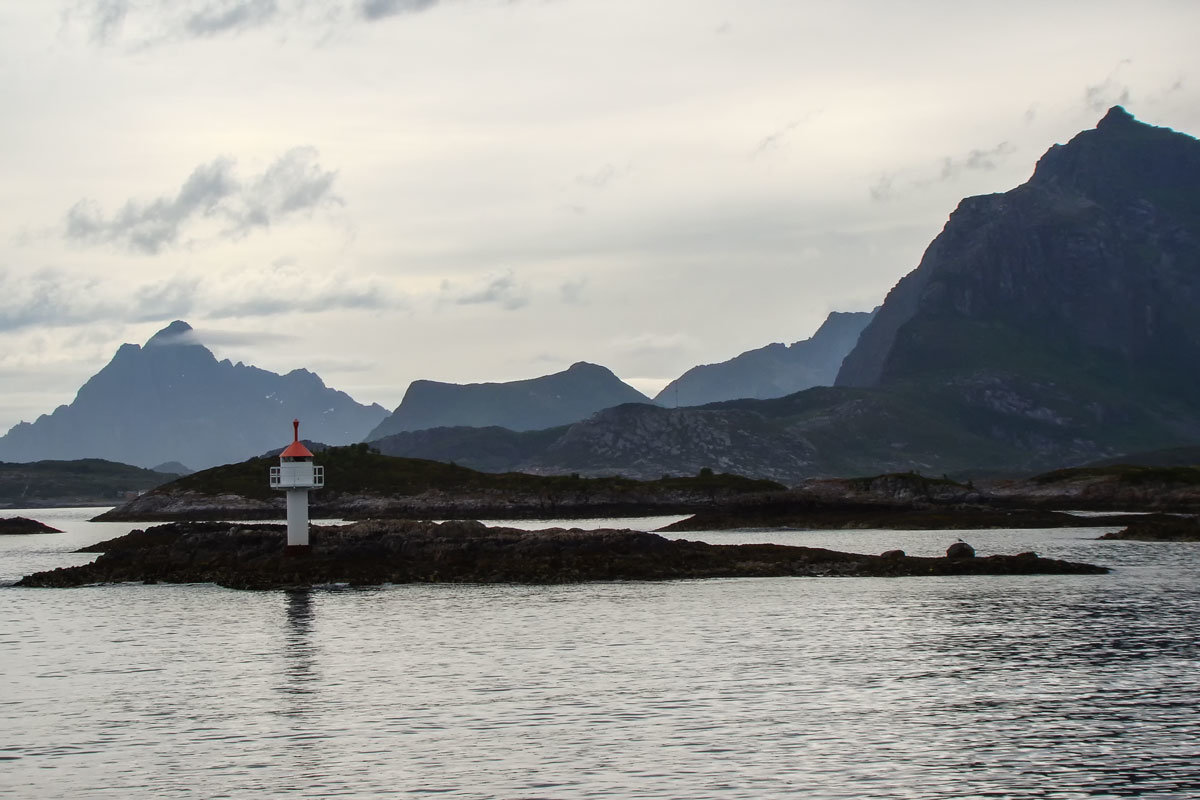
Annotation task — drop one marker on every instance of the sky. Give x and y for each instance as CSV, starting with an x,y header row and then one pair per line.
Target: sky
x,y
488,190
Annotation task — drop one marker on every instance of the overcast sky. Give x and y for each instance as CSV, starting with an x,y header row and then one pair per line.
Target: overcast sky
x,y
482,190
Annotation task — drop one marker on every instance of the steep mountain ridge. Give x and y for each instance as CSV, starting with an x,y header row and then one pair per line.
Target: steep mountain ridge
x,y
532,404
172,400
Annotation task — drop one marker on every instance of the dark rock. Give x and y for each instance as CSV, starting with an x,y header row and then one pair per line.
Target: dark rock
x,y
960,550
376,552
892,554
23,525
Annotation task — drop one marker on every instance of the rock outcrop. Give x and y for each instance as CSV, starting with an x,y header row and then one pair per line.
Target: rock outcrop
x,y
370,553
23,525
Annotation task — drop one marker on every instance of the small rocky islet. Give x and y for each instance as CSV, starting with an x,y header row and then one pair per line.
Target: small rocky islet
x,y
23,525
253,556
1160,528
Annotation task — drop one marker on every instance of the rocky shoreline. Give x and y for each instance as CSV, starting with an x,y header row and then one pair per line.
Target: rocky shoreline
x,y
250,556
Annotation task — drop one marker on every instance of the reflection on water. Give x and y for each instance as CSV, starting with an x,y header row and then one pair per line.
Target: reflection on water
x,y
1046,687
299,651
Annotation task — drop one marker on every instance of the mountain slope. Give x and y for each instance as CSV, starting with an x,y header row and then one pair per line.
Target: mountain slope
x,y
772,371
171,400
532,404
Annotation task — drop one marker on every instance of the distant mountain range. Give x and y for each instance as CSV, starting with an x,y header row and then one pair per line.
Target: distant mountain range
x,y
567,396
171,400
772,371
1053,324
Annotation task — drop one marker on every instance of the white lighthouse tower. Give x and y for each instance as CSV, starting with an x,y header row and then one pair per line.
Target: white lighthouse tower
x,y
297,474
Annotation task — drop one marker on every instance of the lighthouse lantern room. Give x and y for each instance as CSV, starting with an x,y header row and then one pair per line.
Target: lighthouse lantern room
x,y
297,474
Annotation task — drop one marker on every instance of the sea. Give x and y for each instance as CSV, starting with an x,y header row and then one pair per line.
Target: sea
x,y
931,687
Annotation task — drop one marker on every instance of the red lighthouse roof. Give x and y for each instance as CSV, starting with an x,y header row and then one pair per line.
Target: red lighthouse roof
x,y
295,449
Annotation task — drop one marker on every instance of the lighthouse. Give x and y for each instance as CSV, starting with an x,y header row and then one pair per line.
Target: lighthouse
x,y
296,474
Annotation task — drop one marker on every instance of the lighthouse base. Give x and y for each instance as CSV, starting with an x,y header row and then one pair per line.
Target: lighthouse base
x,y
297,518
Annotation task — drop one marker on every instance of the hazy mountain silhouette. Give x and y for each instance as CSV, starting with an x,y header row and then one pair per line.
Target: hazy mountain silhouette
x,y
172,400
544,402
772,371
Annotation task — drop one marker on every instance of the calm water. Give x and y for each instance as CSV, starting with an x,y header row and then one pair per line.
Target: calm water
x,y
1040,687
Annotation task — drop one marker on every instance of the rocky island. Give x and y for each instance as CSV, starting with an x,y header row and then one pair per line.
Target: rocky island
x,y
23,525
253,556
1160,528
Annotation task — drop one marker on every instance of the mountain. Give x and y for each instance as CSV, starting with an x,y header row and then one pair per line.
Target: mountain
x,y
544,402
172,400
1060,317
772,371
1095,257
1051,325
820,431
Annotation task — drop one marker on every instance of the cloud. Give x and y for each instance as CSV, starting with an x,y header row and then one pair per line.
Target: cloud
x,y
147,23
772,141
976,160
172,298
226,16
381,9
572,291
57,299
217,337
285,289
1110,92
50,298
884,188
501,290
653,353
600,178
294,183
888,186
106,18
